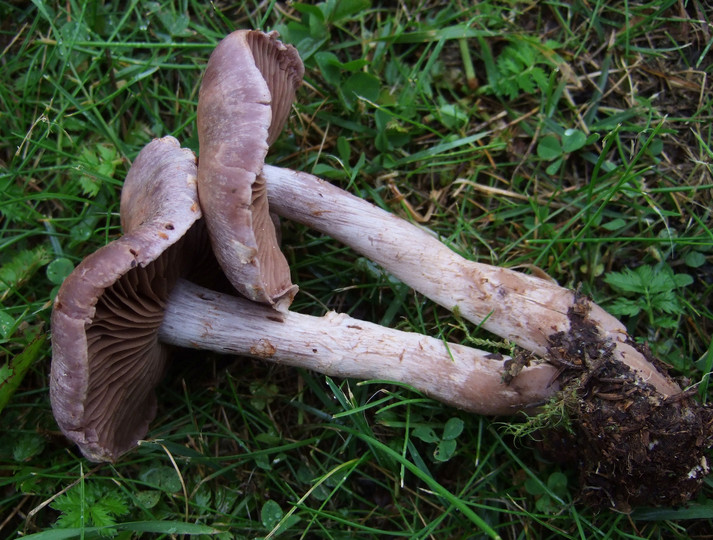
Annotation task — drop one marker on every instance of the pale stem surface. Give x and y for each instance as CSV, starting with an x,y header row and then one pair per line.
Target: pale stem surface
x,y
521,308
340,346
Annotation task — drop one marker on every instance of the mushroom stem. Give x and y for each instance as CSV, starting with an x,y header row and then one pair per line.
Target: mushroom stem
x,y
340,346
524,309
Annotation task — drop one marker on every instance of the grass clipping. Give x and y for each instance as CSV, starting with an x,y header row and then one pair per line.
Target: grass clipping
x,y
632,446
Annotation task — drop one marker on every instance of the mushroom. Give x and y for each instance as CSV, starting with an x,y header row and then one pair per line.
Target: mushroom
x,y
244,100
617,389
143,291
117,311
106,358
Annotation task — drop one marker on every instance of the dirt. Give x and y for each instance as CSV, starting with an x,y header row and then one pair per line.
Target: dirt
x,y
633,446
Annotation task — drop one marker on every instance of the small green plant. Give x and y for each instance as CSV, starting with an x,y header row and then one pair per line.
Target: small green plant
x,y
348,78
96,165
521,67
548,496
56,271
263,393
553,415
13,371
648,290
445,444
274,519
15,272
90,505
556,149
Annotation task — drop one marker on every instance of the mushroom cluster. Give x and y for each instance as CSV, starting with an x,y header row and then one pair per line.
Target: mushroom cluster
x,y
189,227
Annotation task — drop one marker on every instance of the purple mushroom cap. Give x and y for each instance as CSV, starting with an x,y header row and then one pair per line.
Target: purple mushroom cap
x,y
106,357
245,98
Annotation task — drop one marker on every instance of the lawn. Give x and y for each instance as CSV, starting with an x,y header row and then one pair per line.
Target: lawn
x,y
572,142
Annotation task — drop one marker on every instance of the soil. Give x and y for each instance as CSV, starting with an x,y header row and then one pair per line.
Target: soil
x,y
634,447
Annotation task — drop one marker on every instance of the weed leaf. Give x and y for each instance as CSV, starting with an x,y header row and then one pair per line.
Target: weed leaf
x,y
426,434
624,306
573,140
627,280
549,148
453,428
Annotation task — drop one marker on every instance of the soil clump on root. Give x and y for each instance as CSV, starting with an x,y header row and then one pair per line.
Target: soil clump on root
x,y
634,446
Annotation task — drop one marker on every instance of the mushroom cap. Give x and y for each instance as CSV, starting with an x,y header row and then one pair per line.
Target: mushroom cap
x,y
244,101
106,358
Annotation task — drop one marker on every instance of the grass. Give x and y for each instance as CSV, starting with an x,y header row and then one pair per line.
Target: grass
x,y
572,138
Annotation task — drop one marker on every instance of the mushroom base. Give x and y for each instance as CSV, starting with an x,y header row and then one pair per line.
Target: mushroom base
x,y
632,445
